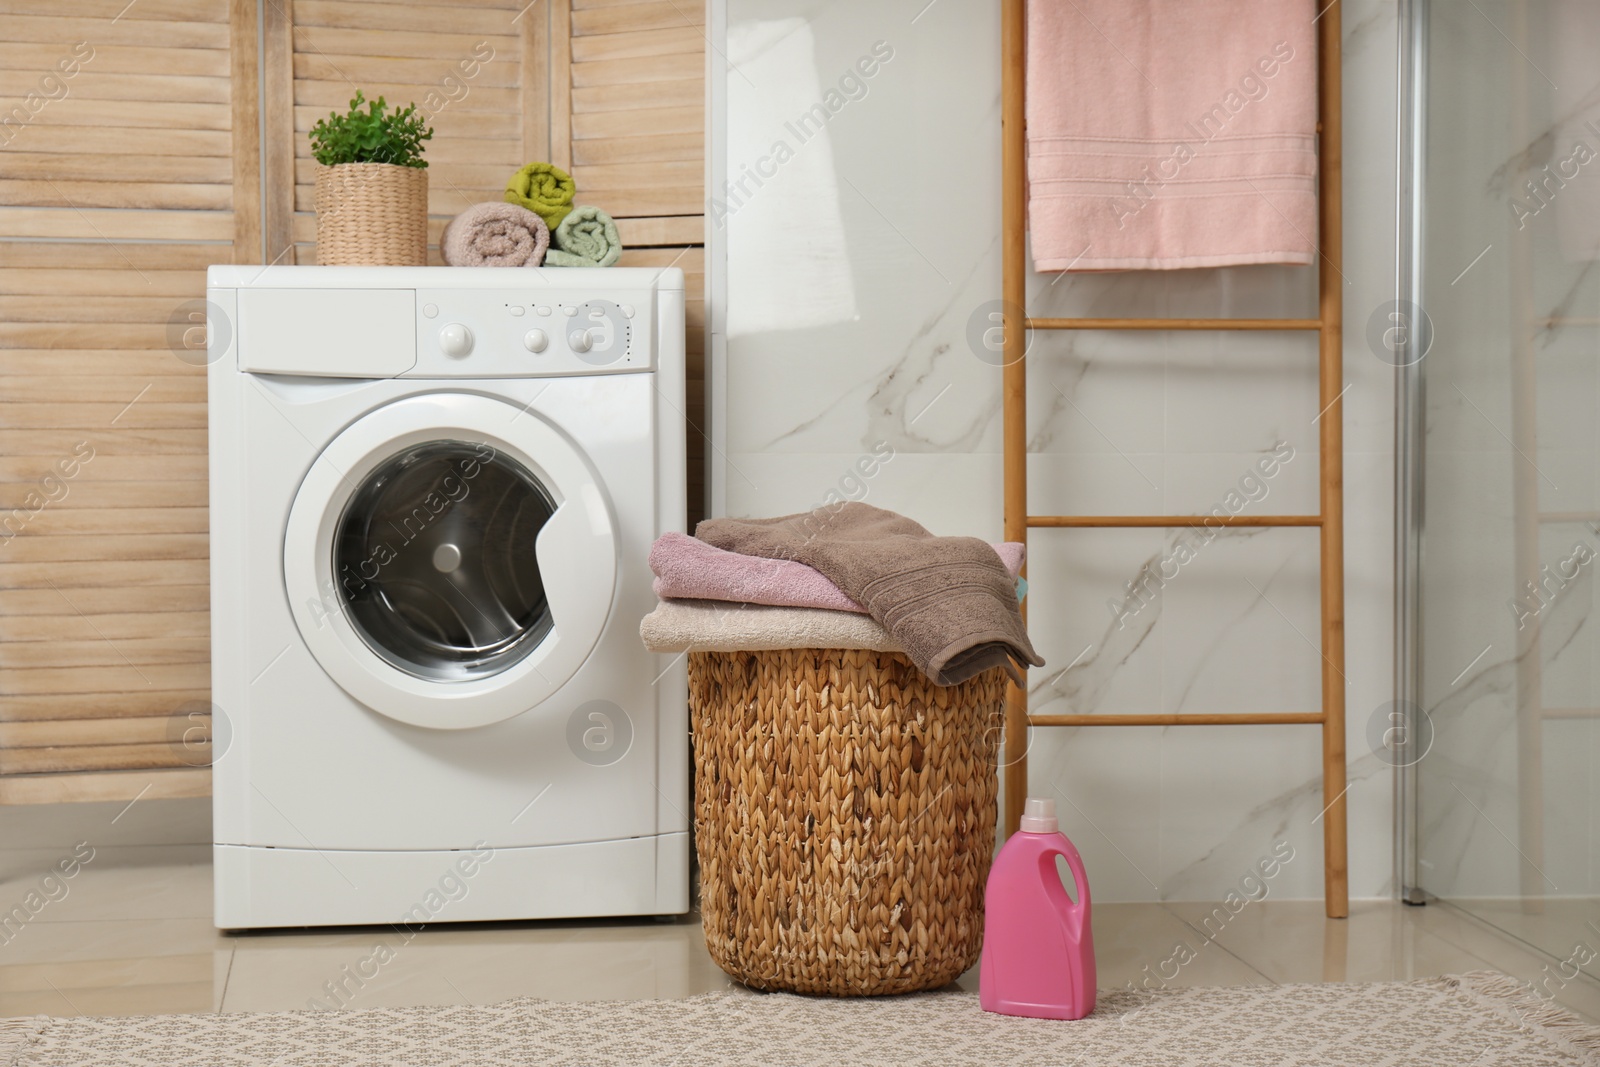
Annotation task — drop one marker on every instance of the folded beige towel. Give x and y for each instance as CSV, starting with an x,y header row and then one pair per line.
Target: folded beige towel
x,y
948,600
495,235
718,626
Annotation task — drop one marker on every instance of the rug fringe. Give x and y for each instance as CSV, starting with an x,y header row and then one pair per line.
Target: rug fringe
x,y
1528,1006
17,1034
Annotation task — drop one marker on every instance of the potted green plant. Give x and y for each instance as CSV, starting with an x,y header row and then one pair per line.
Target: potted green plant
x,y
372,185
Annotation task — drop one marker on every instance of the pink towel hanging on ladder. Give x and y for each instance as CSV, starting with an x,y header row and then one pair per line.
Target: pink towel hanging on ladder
x,y
1171,133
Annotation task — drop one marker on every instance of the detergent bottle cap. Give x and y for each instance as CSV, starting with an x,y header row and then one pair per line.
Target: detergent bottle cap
x,y
1039,816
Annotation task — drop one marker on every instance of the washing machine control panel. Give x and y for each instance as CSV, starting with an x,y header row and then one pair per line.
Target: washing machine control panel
x,y
464,333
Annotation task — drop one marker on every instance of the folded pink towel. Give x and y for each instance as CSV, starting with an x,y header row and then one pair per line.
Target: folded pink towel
x,y
688,568
495,234
1165,134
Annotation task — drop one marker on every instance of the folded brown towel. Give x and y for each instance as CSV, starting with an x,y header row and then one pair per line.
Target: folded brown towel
x,y
947,600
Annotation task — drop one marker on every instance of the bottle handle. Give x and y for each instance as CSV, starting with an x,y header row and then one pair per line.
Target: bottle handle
x,y
1073,913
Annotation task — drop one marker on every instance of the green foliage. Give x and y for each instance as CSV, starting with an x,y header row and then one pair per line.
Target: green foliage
x,y
371,136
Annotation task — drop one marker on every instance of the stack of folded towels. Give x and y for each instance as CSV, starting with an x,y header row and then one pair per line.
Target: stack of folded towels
x,y
847,576
537,224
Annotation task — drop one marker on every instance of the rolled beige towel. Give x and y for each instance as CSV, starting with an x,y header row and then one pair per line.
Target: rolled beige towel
x,y
495,235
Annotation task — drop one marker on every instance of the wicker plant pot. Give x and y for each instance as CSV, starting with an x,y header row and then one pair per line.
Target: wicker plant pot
x,y
372,214
844,818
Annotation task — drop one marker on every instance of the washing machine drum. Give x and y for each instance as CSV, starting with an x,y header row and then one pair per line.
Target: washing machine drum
x,y
450,560
431,558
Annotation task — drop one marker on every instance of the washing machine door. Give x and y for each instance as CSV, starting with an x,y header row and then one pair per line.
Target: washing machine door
x,y
450,560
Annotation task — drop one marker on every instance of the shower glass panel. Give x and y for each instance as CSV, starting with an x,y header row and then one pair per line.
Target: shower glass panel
x,y
1507,793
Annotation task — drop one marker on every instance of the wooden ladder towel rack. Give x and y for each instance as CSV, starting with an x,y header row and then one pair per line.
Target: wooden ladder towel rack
x,y
1330,518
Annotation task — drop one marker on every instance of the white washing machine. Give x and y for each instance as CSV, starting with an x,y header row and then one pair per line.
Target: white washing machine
x,y
433,493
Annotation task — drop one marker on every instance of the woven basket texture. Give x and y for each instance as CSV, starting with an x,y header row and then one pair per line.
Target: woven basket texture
x,y
844,818
372,214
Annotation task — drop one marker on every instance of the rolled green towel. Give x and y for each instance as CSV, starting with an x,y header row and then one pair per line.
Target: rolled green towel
x,y
586,238
544,189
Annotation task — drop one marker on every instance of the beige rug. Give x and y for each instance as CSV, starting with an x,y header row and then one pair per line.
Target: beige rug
x,y
1474,1020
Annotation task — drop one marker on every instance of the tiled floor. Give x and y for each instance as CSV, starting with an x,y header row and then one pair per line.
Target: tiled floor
x,y
134,935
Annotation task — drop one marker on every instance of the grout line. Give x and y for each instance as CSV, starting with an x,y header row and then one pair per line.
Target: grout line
x,y
1468,918
75,1009
1206,939
1453,946
227,976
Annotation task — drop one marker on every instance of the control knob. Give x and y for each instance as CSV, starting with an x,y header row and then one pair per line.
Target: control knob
x,y
455,340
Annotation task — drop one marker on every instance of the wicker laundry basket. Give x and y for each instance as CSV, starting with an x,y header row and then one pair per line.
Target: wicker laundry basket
x,y
844,818
372,214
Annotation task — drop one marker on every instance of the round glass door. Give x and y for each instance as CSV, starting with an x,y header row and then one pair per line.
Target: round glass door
x,y
433,556
450,560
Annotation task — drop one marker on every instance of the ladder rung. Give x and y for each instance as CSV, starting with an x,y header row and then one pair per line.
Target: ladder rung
x,y
1571,713
1195,719
1173,324
1171,521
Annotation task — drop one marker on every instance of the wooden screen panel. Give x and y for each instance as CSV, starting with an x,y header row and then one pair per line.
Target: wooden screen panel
x,y
628,118
476,69
116,192
635,80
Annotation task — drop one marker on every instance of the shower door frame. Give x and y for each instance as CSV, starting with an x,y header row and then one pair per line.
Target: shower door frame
x,y
1409,437
1410,453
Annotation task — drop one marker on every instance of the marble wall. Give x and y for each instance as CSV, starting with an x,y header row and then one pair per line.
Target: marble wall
x,y
862,260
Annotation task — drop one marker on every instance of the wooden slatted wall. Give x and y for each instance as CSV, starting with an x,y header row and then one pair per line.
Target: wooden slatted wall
x,y
117,194
462,65
120,174
632,132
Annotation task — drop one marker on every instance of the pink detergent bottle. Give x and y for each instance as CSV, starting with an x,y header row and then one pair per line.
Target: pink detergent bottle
x,y
1038,949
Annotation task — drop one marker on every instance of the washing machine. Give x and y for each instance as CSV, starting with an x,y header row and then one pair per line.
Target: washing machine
x,y
433,494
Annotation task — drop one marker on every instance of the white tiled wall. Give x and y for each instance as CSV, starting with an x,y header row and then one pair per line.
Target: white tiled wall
x,y
889,222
